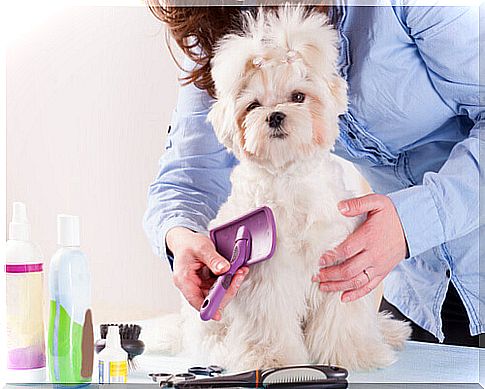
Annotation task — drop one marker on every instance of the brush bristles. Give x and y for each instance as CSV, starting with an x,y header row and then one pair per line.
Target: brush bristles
x,y
127,331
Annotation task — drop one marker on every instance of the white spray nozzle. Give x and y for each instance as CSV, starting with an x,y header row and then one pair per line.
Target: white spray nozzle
x,y
67,230
19,227
113,338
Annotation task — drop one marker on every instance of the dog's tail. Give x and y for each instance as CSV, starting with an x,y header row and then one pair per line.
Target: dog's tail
x,y
163,334
395,332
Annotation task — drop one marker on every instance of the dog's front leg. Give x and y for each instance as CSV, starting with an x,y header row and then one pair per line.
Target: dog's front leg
x,y
349,334
265,330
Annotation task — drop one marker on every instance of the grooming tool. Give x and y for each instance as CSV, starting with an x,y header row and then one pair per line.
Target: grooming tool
x,y
321,376
129,341
244,241
161,378
168,380
211,371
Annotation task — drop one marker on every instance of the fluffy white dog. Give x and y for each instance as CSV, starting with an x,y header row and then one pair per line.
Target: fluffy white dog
x,y
279,98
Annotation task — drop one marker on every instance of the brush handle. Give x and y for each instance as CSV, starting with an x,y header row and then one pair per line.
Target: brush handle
x,y
239,257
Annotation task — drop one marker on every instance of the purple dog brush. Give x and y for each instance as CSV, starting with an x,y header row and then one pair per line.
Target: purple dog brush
x,y
244,241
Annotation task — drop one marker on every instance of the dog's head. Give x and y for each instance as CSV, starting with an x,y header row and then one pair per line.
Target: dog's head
x,y
278,91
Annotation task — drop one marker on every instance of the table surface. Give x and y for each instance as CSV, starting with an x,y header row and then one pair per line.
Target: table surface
x,y
420,366
418,363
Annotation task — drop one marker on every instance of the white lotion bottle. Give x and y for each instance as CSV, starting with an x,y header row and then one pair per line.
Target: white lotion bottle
x,y
113,360
24,297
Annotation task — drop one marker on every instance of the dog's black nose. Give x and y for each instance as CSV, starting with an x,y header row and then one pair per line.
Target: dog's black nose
x,y
275,119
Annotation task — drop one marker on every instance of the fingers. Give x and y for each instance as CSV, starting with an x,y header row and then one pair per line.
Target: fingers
x,y
363,291
356,282
212,259
344,271
195,259
376,247
187,280
352,246
232,290
192,293
360,205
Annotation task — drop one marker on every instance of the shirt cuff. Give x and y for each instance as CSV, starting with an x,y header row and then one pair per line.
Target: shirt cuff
x,y
167,225
419,218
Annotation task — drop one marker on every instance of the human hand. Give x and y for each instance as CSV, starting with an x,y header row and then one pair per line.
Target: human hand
x,y
195,257
364,259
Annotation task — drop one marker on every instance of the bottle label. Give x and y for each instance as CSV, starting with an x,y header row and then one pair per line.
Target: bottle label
x,y
65,355
24,268
101,372
118,372
112,372
24,321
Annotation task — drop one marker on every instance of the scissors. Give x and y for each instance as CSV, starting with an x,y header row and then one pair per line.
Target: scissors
x,y
164,379
210,371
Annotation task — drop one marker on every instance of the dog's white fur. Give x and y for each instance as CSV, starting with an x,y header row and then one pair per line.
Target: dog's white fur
x,y
279,316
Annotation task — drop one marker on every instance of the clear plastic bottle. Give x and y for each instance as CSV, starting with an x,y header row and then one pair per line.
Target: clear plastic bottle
x,y
70,335
24,298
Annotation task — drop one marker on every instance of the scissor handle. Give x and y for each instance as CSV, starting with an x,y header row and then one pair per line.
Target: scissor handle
x,y
199,370
209,370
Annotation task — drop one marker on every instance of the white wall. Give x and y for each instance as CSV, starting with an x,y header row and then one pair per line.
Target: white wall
x,y
89,97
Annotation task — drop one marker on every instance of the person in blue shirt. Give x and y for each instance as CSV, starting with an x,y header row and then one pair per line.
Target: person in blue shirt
x,y
414,129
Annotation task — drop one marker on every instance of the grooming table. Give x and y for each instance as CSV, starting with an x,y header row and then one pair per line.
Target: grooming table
x,y
420,365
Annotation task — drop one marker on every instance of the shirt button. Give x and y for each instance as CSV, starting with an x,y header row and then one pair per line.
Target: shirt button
x,y
448,273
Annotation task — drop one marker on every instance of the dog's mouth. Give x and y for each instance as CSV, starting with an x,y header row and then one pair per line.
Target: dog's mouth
x,y
278,133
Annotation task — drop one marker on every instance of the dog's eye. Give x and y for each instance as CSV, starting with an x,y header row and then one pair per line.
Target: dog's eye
x,y
253,105
298,97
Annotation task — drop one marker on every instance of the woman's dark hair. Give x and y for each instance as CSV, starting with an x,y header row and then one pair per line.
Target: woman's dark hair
x,y
196,30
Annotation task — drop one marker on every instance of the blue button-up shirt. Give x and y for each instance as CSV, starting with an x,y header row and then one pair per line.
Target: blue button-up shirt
x,y
414,129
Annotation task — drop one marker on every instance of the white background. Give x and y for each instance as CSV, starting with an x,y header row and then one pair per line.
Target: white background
x,y
90,92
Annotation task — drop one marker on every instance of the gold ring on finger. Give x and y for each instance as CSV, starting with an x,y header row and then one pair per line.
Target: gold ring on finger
x,y
367,274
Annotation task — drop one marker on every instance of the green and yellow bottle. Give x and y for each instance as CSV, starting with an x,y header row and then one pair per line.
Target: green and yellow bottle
x,y
70,338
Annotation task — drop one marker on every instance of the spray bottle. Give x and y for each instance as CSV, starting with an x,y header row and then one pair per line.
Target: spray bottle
x,y
70,336
113,360
24,292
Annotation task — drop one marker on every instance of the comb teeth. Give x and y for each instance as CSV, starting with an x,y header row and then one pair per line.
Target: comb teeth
x,y
291,380
294,375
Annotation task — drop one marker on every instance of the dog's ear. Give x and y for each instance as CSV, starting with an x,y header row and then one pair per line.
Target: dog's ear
x,y
221,116
338,88
233,54
229,66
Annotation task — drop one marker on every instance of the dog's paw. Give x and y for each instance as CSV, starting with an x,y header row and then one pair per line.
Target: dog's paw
x,y
262,362
163,334
268,357
364,357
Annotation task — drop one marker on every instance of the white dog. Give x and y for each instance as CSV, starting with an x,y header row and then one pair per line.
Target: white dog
x,y
279,98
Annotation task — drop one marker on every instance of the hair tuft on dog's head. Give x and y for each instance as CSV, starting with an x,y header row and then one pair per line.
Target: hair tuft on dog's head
x,y
277,54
